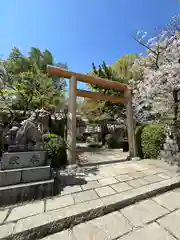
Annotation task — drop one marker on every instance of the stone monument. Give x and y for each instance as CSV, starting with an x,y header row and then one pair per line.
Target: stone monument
x,y
25,172
28,137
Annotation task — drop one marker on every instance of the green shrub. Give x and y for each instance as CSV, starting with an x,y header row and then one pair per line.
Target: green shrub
x,y
56,148
48,137
113,141
138,135
153,137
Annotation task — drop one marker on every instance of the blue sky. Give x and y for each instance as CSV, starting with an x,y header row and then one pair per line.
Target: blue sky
x,y
80,32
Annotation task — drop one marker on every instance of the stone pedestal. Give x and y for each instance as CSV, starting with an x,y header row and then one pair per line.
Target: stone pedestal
x,y
16,160
25,176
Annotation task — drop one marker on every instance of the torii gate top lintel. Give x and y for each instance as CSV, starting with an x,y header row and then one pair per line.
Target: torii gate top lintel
x,y
57,71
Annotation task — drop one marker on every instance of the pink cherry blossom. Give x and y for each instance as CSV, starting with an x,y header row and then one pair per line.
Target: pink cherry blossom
x,y
160,75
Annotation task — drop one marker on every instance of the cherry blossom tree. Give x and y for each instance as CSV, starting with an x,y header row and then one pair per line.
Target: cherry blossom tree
x,y
156,92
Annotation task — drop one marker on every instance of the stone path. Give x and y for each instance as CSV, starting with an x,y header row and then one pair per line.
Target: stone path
x,y
99,155
92,182
90,192
156,218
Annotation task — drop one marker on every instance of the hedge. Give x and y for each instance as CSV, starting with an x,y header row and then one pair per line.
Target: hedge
x,y
152,140
138,134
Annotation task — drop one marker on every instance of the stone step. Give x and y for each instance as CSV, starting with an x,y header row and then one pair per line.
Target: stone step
x,y
50,222
13,160
26,192
24,175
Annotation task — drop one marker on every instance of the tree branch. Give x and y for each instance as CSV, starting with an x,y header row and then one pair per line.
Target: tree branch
x,y
144,45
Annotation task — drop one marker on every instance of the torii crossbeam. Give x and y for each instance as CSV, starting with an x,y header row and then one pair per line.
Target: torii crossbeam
x,y
74,92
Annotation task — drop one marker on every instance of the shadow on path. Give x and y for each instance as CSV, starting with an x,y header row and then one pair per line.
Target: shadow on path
x,y
64,177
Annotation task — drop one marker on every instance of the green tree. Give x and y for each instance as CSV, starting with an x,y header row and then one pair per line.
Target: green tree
x,y
107,72
27,85
92,110
109,109
124,66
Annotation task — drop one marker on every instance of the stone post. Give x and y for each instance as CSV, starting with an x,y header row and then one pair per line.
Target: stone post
x,y
130,125
71,124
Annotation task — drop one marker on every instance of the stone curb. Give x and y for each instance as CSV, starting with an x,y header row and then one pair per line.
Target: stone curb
x,y
41,225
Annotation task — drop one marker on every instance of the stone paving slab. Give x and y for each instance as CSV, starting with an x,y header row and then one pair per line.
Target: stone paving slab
x,y
85,196
71,189
102,155
57,220
107,181
6,230
88,231
171,222
53,221
145,220
170,200
138,182
65,235
164,175
91,185
133,173
143,212
149,232
105,191
124,177
153,171
121,187
26,211
3,214
59,202
153,178
109,226
83,202
137,174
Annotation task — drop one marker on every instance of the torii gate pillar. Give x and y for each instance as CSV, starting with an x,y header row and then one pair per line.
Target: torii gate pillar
x,y
71,124
130,125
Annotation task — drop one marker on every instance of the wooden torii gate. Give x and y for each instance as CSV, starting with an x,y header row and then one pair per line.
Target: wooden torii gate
x,y
74,92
